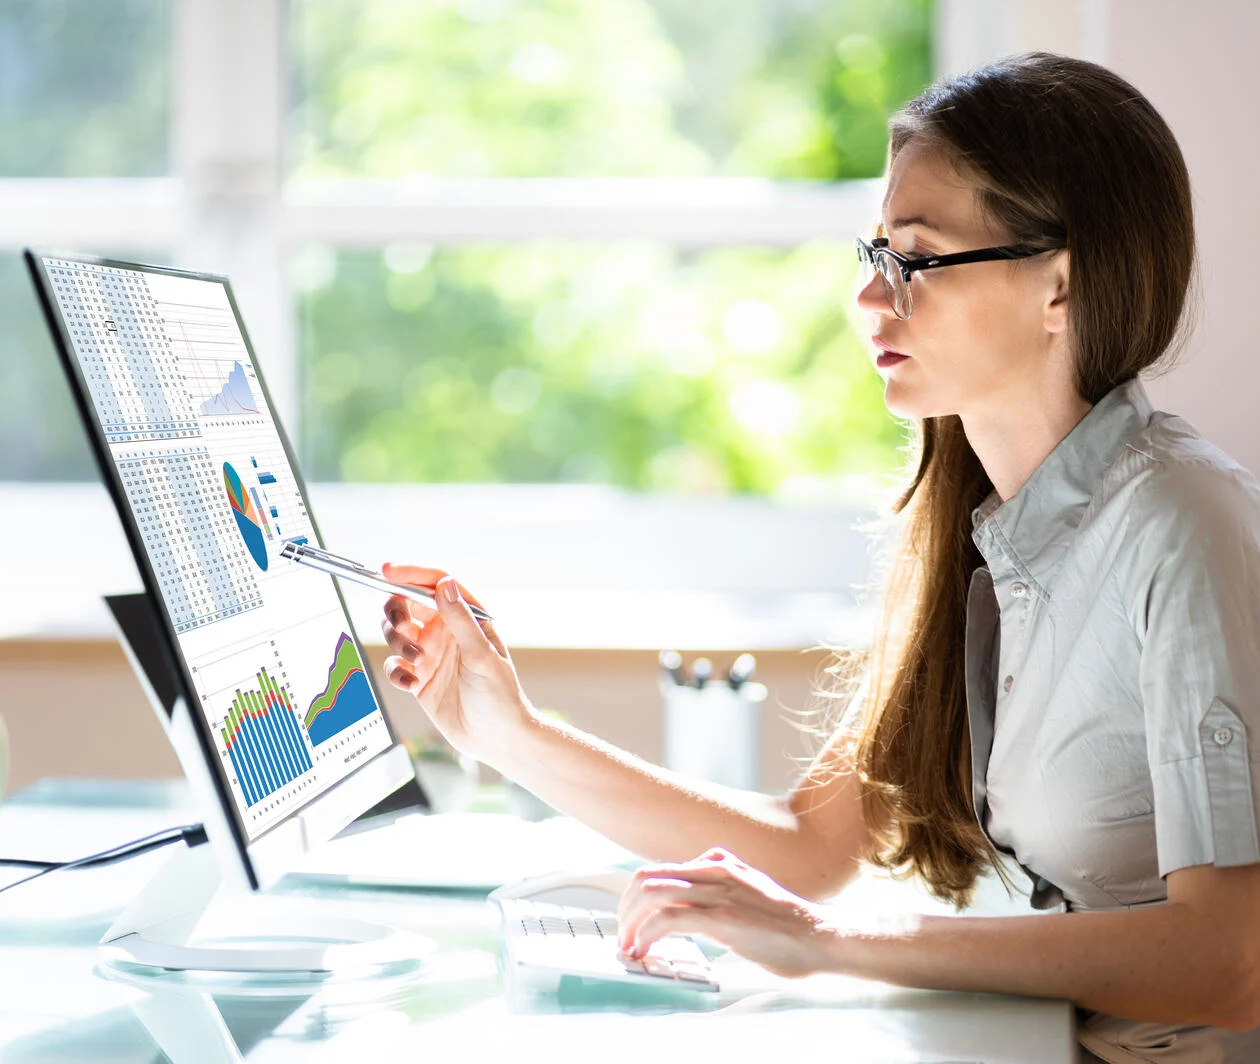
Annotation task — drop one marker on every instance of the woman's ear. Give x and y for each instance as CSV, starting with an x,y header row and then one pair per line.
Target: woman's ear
x,y
1056,311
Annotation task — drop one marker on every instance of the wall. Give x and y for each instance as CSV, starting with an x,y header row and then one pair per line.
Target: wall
x,y
1195,61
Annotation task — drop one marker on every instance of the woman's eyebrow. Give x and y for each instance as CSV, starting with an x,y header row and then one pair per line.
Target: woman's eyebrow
x,y
916,219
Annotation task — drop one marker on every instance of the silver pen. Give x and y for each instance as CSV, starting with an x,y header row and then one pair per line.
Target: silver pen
x,y
335,565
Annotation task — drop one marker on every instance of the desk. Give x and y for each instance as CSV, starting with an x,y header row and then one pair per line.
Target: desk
x,y
57,1002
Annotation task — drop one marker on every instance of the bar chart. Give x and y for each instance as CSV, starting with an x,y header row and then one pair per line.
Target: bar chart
x,y
263,739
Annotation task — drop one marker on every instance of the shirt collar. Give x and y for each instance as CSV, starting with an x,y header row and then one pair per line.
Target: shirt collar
x,y
1032,527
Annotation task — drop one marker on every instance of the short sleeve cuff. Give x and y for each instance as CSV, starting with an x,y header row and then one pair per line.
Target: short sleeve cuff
x,y
1205,806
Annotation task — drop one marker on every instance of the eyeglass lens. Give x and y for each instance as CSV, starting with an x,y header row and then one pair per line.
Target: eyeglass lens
x,y
895,287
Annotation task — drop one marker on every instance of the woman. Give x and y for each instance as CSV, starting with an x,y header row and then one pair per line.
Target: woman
x,y
1067,667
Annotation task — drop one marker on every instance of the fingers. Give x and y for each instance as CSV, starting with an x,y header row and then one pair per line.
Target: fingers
x,y
404,637
662,886
477,646
419,576
400,673
676,919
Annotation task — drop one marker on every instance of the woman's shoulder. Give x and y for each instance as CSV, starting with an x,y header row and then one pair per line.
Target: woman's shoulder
x,y
1172,486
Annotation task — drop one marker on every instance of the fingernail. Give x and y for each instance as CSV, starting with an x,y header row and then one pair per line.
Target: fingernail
x,y
451,590
396,617
411,652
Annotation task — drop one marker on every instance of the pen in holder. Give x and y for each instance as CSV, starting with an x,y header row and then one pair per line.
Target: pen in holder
x,y
713,726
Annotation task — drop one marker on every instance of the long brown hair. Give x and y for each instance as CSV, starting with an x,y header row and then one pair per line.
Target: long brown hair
x,y
1064,154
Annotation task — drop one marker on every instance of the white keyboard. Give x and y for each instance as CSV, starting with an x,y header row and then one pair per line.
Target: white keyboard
x,y
543,941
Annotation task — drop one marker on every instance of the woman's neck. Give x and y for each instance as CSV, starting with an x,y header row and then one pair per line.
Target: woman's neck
x,y
1012,442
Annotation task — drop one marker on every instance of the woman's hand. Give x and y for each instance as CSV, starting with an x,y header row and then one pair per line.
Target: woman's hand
x,y
719,896
456,667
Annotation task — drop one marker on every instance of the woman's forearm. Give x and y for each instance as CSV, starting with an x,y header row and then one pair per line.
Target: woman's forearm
x,y
1165,963
666,817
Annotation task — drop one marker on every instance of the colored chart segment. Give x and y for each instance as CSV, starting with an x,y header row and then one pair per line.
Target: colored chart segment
x,y
345,699
248,523
263,740
235,397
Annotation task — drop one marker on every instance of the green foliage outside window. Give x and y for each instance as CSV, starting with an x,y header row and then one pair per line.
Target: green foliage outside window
x,y
732,369
530,88
84,88
624,362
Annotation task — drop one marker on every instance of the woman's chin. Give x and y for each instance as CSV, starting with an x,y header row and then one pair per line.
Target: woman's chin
x,y
911,404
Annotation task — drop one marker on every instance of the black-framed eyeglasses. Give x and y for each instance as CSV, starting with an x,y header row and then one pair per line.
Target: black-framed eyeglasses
x,y
896,269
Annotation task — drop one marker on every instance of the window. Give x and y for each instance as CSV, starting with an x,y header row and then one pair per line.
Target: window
x,y
612,237
726,367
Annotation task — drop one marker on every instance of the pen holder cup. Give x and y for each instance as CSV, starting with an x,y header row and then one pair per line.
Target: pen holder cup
x,y
714,732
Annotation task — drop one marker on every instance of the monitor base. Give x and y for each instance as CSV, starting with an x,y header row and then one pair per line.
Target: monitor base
x,y
182,920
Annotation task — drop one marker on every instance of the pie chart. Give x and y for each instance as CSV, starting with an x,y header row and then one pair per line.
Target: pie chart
x,y
247,521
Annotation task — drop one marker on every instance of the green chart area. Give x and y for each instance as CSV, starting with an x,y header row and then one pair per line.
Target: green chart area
x,y
346,698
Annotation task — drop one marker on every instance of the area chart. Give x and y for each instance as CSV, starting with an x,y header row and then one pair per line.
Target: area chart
x,y
263,740
346,698
235,397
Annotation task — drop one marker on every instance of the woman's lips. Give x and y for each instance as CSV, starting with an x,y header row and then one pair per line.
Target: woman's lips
x,y
887,356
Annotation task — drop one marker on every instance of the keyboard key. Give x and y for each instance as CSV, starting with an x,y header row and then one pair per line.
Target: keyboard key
x,y
658,966
630,964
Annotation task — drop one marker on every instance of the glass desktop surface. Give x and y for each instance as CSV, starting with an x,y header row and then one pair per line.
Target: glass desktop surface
x,y
59,1002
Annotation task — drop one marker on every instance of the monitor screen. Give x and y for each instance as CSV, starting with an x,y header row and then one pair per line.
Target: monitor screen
x,y
206,474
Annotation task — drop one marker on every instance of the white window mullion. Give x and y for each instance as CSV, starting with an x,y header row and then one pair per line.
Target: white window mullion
x,y
231,72
89,214
706,212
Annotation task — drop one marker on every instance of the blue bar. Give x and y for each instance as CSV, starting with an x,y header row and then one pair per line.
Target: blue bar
x,y
266,478
295,740
254,462
286,741
240,776
275,512
273,736
296,732
285,719
261,761
249,754
264,730
277,746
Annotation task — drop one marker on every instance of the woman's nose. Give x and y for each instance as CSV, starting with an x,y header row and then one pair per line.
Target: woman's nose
x,y
873,297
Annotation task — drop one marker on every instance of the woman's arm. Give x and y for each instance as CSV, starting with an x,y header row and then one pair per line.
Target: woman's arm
x,y
1195,960
463,678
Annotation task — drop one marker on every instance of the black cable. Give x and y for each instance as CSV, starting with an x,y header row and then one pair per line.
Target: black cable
x,y
192,834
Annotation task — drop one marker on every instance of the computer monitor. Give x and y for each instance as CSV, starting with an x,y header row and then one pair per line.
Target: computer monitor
x,y
273,710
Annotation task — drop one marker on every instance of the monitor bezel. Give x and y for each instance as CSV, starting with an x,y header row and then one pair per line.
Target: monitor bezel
x,y
170,647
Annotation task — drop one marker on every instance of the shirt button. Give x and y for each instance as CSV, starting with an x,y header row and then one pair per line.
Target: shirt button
x,y
1222,736
1019,590
1006,686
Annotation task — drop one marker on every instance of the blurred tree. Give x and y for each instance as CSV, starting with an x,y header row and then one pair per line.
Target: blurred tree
x,y
523,88
84,92
625,363
84,88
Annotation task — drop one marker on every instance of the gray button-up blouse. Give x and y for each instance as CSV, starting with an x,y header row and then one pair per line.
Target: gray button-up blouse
x,y
1113,676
